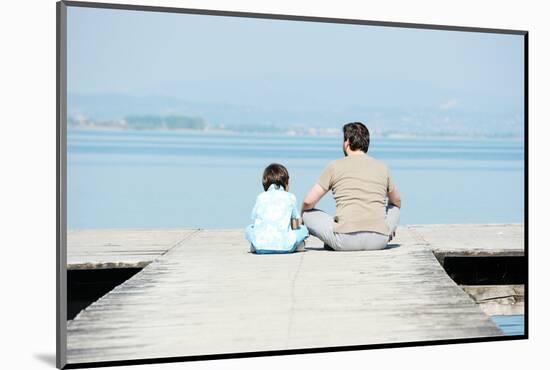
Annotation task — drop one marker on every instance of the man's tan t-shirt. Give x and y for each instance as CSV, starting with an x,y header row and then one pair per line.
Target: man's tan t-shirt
x,y
360,185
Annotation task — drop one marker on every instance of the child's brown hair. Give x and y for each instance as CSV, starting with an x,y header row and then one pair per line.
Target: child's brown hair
x,y
275,174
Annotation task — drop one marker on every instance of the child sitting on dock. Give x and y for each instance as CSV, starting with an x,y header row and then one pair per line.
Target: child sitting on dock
x,y
277,226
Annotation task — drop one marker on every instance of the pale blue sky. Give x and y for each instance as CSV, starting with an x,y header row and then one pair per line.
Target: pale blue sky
x,y
274,63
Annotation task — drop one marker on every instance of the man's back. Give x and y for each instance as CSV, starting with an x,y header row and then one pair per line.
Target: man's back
x,y
359,184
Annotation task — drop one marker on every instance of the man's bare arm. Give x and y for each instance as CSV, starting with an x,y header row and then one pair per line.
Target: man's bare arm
x,y
311,199
394,197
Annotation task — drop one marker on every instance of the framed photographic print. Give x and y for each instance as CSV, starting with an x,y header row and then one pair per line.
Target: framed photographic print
x,y
239,184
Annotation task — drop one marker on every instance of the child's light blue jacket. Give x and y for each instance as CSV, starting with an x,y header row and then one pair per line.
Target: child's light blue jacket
x,y
272,231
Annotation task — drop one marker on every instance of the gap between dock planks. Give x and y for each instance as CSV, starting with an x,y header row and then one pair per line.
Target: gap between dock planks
x,y
208,295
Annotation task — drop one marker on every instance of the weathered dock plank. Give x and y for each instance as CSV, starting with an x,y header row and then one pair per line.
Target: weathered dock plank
x,y
209,295
488,240
498,299
116,248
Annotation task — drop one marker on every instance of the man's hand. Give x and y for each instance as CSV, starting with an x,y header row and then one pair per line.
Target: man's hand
x,y
311,199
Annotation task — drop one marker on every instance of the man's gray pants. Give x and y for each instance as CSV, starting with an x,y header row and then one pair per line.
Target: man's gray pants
x,y
320,224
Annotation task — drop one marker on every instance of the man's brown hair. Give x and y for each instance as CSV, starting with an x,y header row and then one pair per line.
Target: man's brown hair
x,y
357,135
275,174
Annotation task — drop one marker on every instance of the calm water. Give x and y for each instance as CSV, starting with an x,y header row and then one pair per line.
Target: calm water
x,y
510,324
169,179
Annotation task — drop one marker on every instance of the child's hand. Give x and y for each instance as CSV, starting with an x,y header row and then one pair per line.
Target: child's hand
x,y
295,223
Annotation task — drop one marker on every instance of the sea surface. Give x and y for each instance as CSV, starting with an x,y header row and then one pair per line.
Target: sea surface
x,y
510,324
154,179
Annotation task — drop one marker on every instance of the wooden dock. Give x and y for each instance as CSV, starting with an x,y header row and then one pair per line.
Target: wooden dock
x,y
201,292
114,248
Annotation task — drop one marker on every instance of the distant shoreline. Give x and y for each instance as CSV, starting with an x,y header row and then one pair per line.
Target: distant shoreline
x,y
293,133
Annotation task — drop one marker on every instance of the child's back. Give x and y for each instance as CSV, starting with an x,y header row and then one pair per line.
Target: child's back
x,y
272,216
273,211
